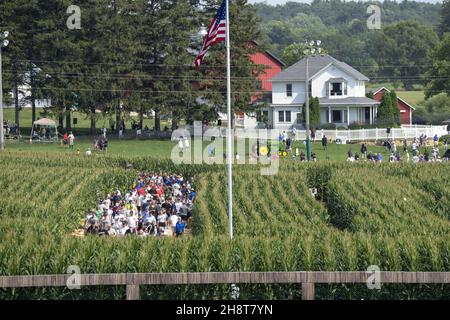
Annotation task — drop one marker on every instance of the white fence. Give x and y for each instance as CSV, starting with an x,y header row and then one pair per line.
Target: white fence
x,y
408,132
381,133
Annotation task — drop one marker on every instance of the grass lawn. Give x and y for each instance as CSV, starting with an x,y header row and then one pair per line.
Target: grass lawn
x,y
163,148
412,97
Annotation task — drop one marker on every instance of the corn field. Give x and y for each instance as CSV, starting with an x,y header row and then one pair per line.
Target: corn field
x,y
394,216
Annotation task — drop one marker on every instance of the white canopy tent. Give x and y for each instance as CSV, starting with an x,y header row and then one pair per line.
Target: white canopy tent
x,y
45,124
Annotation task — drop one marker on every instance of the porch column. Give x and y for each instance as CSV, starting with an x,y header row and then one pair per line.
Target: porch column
x,y
374,113
329,114
348,115
371,115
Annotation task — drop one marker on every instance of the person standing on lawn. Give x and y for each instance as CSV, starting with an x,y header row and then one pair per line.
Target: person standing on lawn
x,y
436,140
71,140
363,151
324,142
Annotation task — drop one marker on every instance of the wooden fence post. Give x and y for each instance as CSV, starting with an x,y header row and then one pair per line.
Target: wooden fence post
x,y
308,290
133,292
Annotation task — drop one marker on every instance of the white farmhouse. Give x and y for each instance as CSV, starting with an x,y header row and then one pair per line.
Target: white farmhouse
x,y
339,87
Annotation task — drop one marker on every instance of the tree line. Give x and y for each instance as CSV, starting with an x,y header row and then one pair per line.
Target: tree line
x,y
125,56
397,52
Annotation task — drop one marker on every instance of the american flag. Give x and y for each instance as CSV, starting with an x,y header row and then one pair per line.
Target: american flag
x,y
216,32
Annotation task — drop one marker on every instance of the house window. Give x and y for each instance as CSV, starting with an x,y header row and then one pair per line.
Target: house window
x,y
288,116
336,89
284,116
337,116
289,89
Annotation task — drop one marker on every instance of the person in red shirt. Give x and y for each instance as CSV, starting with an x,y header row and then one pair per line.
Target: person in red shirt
x,y
65,138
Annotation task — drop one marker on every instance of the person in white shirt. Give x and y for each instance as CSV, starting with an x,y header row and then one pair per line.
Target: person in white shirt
x,y
132,221
294,133
178,205
186,142
124,229
108,202
71,140
162,218
112,231
150,219
176,189
173,222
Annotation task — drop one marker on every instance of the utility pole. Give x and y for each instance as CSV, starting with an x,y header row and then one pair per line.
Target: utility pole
x,y
3,44
311,48
308,138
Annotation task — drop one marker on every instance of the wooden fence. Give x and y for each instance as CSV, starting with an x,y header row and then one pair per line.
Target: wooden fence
x,y
307,279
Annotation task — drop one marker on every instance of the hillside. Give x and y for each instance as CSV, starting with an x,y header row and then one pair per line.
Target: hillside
x,y
342,27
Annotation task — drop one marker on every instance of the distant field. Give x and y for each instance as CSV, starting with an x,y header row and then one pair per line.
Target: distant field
x,y
412,97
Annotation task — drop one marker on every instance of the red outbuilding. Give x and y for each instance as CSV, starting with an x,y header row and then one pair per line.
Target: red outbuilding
x,y
406,109
272,63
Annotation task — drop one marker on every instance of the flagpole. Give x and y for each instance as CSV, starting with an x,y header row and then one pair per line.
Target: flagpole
x,y
229,135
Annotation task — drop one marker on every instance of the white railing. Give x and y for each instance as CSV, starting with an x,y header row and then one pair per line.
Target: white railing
x,y
381,133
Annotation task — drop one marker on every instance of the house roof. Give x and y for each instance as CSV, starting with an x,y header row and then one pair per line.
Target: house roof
x,y
348,101
398,98
297,71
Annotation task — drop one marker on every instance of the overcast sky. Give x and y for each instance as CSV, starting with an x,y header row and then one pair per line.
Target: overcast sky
x,y
275,2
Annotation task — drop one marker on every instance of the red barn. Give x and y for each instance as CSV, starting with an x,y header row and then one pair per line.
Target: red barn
x,y
273,66
272,63
406,109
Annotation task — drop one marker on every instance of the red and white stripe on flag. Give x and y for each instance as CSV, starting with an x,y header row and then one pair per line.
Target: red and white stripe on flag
x,y
216,32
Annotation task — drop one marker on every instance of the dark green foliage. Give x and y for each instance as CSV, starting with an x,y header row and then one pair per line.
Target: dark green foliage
x,y
314,113
437,73
444,25
396,52
385,114
395,108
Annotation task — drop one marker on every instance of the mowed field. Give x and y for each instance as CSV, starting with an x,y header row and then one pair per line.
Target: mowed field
x,y
395,216
162,148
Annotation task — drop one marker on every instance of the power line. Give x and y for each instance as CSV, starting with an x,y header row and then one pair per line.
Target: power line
x,y
149,91
70,75
193,67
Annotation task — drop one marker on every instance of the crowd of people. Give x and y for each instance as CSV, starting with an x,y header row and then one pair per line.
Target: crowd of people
x,y
10,129
430,153
156,205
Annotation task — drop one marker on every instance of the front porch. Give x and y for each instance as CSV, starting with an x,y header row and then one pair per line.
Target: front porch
x,y
346,115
